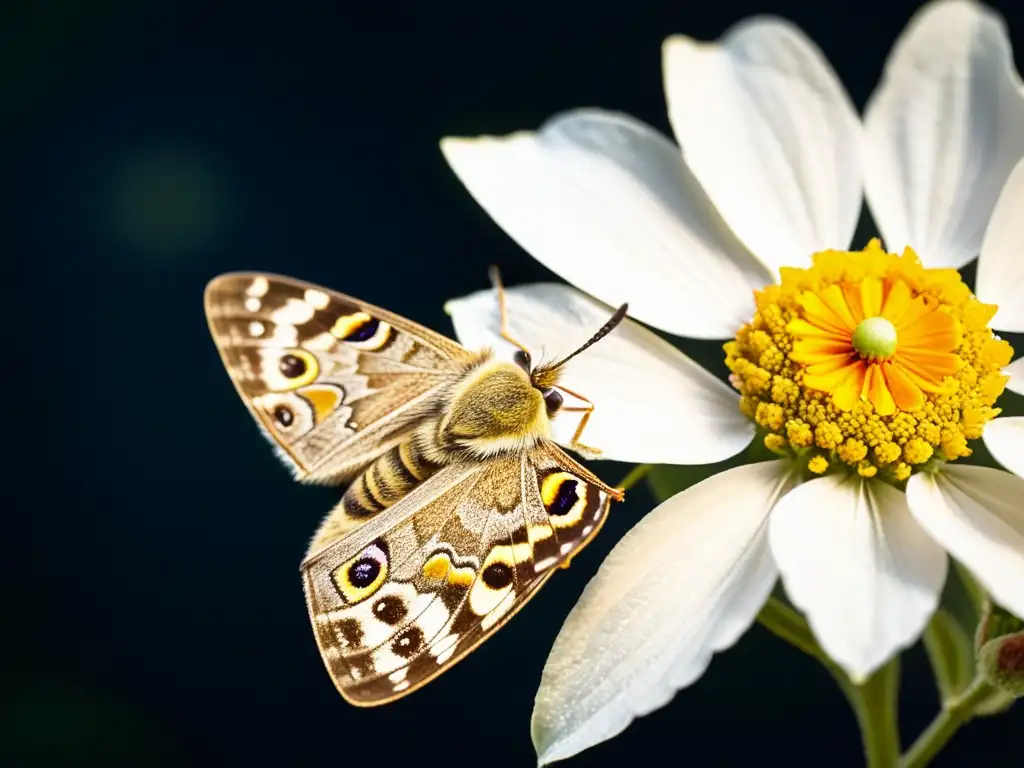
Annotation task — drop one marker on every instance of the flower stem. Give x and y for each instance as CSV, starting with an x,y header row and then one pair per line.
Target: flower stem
x,y
638,473
873,702
955,713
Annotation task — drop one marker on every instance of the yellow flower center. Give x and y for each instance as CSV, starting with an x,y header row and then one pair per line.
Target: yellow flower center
x,y
868,361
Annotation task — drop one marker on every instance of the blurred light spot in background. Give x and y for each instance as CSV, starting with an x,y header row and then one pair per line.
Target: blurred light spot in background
x,y
167,203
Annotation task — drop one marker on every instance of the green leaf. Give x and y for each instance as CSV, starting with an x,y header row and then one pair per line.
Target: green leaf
x,y
785,622
951,652
963,597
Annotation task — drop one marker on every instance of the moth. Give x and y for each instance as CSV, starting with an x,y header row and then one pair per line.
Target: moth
x,y
459,506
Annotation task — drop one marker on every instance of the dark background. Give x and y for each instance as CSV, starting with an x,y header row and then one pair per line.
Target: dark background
x,y
153,613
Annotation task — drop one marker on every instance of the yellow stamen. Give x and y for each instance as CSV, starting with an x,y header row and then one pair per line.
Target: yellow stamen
x,y
869,360
818,465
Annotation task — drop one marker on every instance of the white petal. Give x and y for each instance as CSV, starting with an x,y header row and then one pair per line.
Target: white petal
x,y
652,403
684,583
976,514
1015,370
1004,439
857,564
766,126
943,132
607,203
1000,278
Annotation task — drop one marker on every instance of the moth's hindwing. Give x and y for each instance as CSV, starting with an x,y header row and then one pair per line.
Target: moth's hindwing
x,y
410,593
332,381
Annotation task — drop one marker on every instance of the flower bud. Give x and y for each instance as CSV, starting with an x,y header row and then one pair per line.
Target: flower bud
x,y
1000,643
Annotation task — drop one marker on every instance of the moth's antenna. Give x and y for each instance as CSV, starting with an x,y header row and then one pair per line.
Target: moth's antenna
x,y
605,329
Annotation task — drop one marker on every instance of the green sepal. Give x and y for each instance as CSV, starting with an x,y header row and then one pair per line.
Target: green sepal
x,y
1002,663
996,622
997,702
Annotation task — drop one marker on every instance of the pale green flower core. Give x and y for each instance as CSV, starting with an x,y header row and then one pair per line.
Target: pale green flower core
x,y
875,337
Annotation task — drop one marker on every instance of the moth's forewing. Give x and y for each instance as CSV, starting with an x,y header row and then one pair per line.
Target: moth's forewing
x,y
332,381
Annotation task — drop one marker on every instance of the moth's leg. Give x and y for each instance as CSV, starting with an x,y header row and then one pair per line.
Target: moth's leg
x,y
586,410
503,311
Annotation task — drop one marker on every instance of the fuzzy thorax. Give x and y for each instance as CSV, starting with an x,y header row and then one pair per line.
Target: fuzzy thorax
x,y
496,408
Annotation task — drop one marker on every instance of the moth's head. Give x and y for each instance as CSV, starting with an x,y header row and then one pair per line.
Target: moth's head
x,y
544,377
501,406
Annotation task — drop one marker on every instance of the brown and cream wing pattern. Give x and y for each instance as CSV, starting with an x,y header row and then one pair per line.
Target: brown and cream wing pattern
x,y
414,590
332,381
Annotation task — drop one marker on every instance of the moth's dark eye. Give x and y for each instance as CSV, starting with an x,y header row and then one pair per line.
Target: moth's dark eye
x,y
553,400
522,359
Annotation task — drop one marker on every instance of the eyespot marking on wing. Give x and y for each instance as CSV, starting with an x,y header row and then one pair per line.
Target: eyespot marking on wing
x,y
361,331
497,577
286,413
285,370
408,642
390,609
360,577
566,498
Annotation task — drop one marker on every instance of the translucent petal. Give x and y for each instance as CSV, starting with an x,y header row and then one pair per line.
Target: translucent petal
x,y
653,404
766,126
976,514
943,132
1001,264
855,561
686,582
607,203
1004,439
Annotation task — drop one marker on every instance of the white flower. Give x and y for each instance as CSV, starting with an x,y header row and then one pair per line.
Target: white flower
x,y
771,171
